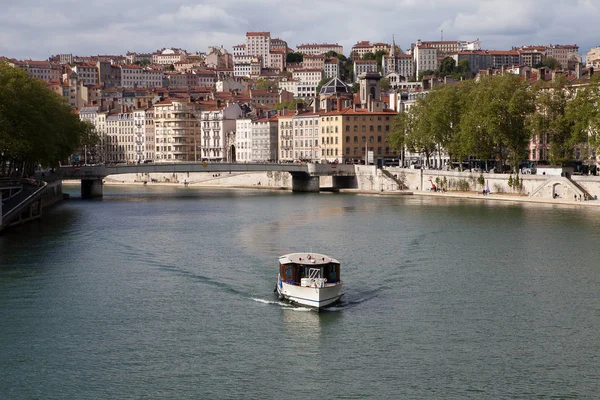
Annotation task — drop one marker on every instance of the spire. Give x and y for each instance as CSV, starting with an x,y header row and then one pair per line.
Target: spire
x,y
393,50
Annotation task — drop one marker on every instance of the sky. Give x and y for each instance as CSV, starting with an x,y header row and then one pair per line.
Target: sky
x,y
37,29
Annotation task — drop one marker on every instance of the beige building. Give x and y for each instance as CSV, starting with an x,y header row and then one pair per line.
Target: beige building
x,y
562,53
592,56
346,134
319,48
306,145
120,135
259,44
42,70
169,56
285,135
177,131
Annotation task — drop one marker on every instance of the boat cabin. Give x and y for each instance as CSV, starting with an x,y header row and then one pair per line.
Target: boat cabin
x,y
304,272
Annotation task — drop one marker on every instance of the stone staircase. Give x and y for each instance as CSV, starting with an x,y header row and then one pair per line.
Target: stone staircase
x,y
559,180
399,182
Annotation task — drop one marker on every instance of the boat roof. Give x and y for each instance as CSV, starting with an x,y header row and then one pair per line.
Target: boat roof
x,y
307,258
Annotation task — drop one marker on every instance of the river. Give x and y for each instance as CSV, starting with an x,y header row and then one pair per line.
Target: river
x,y
167,293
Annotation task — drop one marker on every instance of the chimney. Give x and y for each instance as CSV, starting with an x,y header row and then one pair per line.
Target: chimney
x,y
578,70
370,103
315,106
339,104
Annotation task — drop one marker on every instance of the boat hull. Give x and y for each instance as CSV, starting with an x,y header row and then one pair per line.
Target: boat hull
x,y
310,296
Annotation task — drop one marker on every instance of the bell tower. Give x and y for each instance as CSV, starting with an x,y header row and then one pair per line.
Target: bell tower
x,y
370,88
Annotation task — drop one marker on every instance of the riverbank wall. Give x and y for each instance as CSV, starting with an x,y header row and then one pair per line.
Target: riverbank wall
x,y
388,180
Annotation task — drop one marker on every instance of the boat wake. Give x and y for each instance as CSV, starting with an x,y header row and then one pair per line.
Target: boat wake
x,y
282,305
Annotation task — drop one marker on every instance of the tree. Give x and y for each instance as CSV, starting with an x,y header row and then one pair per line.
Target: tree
x,y
355,87
294,57
368,56
494,121
37,126
424,73
379,58
447,66
288,104
463,69
264,84
551,63
566,118
171,68
385,84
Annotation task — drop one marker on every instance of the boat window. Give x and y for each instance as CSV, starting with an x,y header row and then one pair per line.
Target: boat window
x,y
332,272
289,271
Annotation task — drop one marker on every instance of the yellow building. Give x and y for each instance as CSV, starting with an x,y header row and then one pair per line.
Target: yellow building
x,y
348,134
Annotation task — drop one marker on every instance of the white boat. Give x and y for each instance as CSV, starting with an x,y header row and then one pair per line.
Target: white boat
x,y
309,279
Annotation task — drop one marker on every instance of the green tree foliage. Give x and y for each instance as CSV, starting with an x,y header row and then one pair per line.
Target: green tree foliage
x,y
36,125
566,117
551,63
495,119
294,57
379,58
288,104
447,66
368,56
432,124
485,119
424,73
463,69
264,84
355,87
385,84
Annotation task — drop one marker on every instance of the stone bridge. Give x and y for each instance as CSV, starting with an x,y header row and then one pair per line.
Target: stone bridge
x,y
305,177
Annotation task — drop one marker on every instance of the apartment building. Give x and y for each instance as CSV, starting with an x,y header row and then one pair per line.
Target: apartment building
x,y
87,73
120,143
425,57
331,67
306,144
506,58
360,49
313,62
592,56
42,70
75,92
264,139
243,139
216,123
259,44
563,53
169,56
362,66
136,76
285,135
319,48
177,131
308,80
532,55
348,134
478,60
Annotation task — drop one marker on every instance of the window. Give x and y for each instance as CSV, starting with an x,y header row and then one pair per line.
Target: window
x,y
355,139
